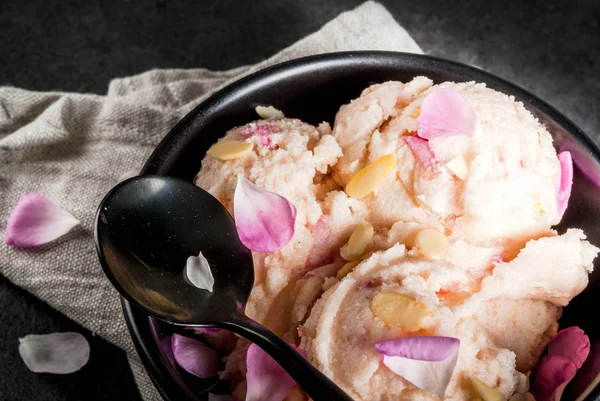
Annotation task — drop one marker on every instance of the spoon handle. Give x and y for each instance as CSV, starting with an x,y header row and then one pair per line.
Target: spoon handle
x,y
313,382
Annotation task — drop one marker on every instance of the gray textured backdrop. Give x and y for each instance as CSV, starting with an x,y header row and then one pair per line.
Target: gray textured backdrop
x,y
550,48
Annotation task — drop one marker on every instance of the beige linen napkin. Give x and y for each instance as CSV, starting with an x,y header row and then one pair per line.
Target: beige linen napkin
x,y
73,147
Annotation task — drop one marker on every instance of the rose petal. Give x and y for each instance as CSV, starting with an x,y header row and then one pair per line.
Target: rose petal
x,y
563,190
421,150
267,381
264,220
194,356
426,362
198,272
588,376
422,348
551,376
165,345
571,343
204,330
59,353
36,220
445,113
585,162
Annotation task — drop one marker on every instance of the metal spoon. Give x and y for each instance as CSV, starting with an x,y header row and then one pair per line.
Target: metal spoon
x,y
147,227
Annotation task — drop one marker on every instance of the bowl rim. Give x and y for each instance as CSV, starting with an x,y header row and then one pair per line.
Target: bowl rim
x,y
169,384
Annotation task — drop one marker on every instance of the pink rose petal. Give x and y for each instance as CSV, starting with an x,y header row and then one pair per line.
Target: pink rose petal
x,y
165,345
563,190
584,161
588,376
422,348
567,352
427,362
59,353
571,343
267,381
551,376
264,220
446,112
204,330
36,220
421,150
194,356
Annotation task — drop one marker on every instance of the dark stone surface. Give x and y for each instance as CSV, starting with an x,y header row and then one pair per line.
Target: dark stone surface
x,y
550,48
105,377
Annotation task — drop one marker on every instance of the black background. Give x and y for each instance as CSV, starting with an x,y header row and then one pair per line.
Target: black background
x,y
550,48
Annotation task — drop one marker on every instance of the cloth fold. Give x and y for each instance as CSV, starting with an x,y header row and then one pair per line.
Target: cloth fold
x,y
73,147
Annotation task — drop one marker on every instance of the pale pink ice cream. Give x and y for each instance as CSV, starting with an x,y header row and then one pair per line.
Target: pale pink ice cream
x,y
499,287
290,158
509,192
503,326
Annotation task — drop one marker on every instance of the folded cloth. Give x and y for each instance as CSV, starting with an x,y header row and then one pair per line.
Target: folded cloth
x,y
73,148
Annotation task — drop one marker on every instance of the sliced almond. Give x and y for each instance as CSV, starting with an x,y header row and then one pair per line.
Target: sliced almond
x,y
269,112
346,269
227,150
485,392
358,242
459,167
400,310
431,243
370,177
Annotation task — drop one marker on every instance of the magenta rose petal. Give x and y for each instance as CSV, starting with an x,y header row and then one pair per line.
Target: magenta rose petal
x,y
59,353
551,376
563,191
422,348
571,343
427,362
446,112
264,220
199,273
421,150
194,356
36,220
567,352
267,381
165,345
204,330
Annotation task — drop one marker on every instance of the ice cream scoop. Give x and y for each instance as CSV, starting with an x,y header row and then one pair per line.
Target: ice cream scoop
x,y
146,229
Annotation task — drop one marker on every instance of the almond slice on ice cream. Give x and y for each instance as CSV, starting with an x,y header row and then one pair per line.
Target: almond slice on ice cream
x,y
400,310
370,177
227,150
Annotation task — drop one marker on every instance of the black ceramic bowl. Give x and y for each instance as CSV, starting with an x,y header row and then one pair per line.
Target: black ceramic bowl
x,y
312,89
